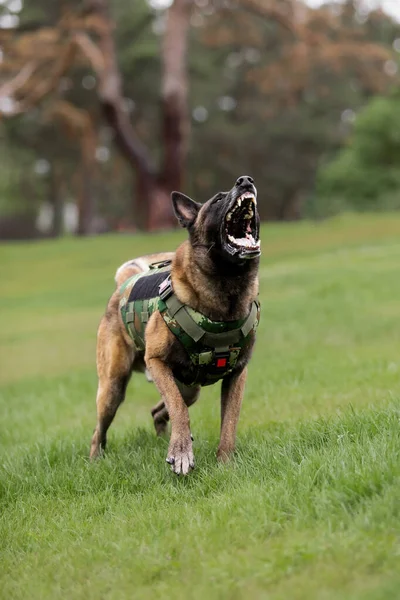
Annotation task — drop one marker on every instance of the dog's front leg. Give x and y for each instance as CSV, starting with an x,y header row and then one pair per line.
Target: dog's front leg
x,y
180,451
232,391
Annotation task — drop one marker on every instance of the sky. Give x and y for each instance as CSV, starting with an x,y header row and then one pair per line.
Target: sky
x,y
392,7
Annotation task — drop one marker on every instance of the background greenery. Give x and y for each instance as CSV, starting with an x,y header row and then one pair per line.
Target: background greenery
x,y
310,506
265,109
366,174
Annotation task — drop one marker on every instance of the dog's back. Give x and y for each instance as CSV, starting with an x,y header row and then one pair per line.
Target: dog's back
x,y
139,265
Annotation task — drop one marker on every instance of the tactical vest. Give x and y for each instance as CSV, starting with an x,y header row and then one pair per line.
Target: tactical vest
x,y
213,347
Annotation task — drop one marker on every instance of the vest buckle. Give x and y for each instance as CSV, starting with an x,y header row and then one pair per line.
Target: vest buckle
x,y
165,290
221,360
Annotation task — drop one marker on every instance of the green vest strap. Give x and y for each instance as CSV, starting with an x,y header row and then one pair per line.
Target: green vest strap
x,y
251,319
129,313
144,315
222,340
183,319
174,305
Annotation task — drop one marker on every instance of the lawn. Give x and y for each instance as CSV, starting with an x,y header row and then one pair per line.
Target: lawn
x,y
309,507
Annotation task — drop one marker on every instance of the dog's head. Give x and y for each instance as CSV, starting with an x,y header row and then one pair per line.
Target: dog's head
x,y
228,224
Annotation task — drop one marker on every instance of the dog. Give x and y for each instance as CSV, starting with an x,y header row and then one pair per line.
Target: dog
x,y
186,319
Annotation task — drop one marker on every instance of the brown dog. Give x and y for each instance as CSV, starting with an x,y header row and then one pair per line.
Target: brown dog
x,y
199,325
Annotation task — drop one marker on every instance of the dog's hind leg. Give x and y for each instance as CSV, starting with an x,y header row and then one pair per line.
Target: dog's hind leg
x,y
110,395
160,413
160,417
114,361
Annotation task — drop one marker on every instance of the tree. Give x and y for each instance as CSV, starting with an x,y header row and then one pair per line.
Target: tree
x,y
88,36
365,175
293,83
269,79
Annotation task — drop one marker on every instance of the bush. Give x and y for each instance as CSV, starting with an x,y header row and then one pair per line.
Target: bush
x,y
366,173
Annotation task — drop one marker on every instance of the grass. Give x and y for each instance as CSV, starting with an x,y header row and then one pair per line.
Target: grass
x,y
309,508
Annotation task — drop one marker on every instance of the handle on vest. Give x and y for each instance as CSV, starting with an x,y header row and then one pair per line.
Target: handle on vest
x,y
160,264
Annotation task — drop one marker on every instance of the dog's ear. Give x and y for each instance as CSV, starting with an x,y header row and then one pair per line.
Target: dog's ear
x,y
185,208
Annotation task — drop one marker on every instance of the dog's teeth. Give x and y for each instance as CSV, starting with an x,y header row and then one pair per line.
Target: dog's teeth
x,y
229,216
239,201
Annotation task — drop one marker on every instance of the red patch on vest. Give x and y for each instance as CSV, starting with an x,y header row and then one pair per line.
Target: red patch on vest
x,y
221,362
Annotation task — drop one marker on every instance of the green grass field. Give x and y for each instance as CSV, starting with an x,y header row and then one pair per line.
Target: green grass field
x,y
310,506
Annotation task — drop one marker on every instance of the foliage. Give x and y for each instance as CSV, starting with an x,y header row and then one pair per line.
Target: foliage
x,y
271,82
292,91
20,189
308,509
366,173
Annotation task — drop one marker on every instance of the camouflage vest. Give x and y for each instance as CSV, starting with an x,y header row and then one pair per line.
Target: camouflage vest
x,y
213,347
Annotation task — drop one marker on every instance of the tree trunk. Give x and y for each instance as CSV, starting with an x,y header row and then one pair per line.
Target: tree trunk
x,y
86,197
57,200
291,207
152,204
174,94
85,204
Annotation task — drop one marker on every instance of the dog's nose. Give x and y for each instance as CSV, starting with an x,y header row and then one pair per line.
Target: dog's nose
x,y
245,181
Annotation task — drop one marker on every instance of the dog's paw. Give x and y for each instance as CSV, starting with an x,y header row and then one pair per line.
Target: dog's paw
x,y
224,454
180,456
97,446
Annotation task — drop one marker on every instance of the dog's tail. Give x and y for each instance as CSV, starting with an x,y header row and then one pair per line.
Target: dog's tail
x,y
129,268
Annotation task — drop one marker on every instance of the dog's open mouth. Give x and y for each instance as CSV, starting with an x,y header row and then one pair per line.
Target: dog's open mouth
x,y
241,227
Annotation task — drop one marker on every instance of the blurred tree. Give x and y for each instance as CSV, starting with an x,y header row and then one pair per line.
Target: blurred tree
x,y
366,174
41,61
274,86
295,85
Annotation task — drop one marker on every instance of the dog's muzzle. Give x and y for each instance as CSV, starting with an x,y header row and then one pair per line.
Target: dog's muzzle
x,y
240,225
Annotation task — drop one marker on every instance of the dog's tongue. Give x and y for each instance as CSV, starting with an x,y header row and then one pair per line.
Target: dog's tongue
x,y
246,242
248,230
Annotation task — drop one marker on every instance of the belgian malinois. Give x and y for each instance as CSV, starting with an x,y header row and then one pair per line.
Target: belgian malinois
x,y
215,274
